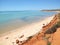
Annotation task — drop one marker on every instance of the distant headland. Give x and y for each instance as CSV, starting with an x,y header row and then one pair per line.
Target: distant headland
x,y
51,10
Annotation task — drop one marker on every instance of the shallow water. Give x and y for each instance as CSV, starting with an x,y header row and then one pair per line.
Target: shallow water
x,y
10,20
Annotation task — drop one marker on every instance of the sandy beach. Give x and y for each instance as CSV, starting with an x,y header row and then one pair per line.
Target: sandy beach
x,y
27,31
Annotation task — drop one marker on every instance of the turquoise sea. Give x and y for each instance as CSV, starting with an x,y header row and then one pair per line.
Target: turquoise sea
x,y
10,20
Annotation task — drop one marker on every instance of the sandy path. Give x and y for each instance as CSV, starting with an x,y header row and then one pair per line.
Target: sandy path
x,y
27,31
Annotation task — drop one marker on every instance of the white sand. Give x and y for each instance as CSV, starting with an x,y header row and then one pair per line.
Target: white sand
x,y
27,31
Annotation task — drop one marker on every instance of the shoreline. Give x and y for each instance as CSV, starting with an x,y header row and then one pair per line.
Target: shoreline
x,y
9,31
25,31
3,34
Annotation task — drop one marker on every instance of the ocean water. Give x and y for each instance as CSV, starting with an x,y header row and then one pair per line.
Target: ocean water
x,y
10,20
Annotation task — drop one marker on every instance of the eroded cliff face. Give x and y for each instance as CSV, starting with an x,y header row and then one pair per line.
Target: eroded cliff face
x,y
47,36
55,38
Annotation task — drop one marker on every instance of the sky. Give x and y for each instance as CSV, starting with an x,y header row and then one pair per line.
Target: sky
x,y
15,5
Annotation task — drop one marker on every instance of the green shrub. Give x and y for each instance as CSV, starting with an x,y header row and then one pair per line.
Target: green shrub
x,y
49,43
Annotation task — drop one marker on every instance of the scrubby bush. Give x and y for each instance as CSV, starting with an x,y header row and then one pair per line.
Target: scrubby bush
x,y
49,43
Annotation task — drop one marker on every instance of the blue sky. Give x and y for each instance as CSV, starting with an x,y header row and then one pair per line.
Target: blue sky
x,y
13,5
